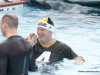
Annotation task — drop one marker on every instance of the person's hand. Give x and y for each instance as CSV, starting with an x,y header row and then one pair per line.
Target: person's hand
x,y
79,62
32,39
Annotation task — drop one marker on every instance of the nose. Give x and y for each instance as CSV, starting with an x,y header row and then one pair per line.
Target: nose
x,y
0,26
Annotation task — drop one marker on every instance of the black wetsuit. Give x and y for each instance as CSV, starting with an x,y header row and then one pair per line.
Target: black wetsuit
x,y
15,56
58,51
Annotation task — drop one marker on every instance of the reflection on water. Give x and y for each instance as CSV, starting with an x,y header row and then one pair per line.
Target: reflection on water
x,y
80,31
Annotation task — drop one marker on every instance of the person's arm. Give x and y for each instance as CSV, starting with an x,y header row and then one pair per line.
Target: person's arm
x,y
72,55
3,62
32,64
32,40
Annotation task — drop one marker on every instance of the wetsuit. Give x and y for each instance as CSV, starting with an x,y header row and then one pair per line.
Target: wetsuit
x,y
58,51
15,56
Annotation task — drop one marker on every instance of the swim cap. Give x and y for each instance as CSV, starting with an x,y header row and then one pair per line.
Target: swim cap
x,y
47,24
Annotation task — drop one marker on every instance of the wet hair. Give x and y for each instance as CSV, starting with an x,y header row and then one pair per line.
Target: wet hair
x,y
11,20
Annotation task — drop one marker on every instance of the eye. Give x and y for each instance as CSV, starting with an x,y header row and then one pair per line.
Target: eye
x,y
37,29
43,29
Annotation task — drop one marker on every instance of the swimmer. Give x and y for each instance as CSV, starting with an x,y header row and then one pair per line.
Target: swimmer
x,y
50,49
16,54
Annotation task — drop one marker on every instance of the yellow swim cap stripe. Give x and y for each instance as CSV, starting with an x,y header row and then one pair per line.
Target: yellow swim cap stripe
x,y
45,20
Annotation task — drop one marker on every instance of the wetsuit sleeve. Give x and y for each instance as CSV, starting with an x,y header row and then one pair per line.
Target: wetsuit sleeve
x,y
33,66
3,62
69,53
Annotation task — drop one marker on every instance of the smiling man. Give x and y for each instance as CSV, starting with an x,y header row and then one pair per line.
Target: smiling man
x,y
50,49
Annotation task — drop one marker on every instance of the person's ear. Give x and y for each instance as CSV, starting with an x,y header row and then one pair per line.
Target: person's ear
x,y
5,24
0,24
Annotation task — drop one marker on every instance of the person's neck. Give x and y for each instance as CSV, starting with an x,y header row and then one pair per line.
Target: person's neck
x,y
49,40
11,33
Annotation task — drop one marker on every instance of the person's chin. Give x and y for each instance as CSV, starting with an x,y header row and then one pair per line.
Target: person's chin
x,y
3,35
41,38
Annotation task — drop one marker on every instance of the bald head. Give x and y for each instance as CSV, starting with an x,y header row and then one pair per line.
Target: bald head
x,y
11,19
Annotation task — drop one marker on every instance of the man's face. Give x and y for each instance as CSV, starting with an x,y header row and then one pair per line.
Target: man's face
x,y
43,34
2,28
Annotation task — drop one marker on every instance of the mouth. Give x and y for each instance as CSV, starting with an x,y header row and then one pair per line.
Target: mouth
x,y
41,35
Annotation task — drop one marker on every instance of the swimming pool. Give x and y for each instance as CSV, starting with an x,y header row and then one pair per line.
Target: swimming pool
x,y
80,31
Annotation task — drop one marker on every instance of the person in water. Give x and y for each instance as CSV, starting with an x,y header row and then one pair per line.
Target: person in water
x,y
50,49
16,54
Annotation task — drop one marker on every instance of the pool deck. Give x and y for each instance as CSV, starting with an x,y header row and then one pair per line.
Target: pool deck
x,y
14,2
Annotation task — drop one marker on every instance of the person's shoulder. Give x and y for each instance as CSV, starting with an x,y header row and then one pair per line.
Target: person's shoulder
x,y
23,40
3,45
63,45
17,38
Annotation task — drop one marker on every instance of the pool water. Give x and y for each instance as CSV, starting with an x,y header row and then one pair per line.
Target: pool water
x,y
79,31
